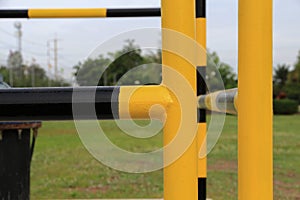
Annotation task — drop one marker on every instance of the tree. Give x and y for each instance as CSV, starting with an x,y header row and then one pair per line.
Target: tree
x,y
122,62
14,63
292,91
292,87
226,72
88,72
127,66
15,59
281,75
294,76
31,76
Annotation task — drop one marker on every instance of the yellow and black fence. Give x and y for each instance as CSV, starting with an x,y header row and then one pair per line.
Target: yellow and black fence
x,y
80,13
185,177
201,90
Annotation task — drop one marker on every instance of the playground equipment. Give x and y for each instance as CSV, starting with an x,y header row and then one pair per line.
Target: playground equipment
x,y
185,178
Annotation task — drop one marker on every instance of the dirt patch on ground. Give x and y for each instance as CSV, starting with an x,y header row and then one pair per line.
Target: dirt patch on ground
x,y
290,190
223,165
286,189
93,189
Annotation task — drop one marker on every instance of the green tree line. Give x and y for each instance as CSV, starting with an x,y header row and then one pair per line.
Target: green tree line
x,y
287,81
18,74
129,66
118,68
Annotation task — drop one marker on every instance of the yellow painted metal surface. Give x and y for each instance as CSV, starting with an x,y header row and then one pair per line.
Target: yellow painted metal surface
x,y
201,62
255,162
201,40
67,13
138,102
180,178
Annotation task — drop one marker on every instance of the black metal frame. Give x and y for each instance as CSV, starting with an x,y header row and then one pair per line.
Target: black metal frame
x,y
57,103
15,164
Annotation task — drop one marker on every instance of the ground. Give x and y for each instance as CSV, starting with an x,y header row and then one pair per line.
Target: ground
x,y
62,168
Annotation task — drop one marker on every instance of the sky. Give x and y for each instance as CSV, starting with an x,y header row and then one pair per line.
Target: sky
x,y
77,38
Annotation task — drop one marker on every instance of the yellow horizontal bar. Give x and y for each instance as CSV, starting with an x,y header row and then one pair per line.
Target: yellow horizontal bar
x,y
214,102
67,13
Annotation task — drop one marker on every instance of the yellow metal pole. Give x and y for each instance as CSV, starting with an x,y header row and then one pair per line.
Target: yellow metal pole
x,y
255,162
180,178
201,90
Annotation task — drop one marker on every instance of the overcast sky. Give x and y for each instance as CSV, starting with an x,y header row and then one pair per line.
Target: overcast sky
x,y
78,37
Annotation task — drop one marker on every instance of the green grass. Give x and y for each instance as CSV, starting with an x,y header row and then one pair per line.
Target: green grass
x,y
62,168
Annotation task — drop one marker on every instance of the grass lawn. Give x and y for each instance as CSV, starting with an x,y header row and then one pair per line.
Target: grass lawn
x,y
62,168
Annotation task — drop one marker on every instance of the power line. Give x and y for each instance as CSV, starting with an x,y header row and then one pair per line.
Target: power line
x,y
7,33
35,53
2,43
33,43
25,40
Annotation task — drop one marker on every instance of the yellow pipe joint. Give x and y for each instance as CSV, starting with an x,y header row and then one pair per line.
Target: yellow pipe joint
x,y
144,102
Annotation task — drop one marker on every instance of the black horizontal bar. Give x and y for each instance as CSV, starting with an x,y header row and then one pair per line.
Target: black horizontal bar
x,y
134,12
58,103
110,12
13,13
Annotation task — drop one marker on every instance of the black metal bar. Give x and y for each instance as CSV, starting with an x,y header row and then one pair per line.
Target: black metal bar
x,y
58,103
15,164
201,90
134,12
200,8
13,13
201,188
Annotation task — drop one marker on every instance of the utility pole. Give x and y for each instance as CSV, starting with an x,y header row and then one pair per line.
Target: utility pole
x,y
10,67
55,58
33,73
18,26
49,62
55,54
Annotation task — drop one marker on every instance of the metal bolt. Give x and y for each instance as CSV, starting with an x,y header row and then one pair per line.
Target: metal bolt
x,y
20,134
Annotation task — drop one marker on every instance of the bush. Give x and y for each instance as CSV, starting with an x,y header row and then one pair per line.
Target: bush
x,y
293,91
285,106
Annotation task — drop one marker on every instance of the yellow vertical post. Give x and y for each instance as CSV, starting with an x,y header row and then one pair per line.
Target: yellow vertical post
x,y
201,90
180,178
255,162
